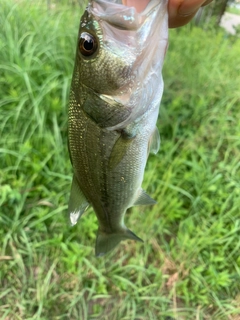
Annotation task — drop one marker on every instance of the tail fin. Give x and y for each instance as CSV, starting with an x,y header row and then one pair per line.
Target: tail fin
x,y
108,241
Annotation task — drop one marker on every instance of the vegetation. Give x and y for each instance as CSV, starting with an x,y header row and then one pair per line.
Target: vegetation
x,y
211,14
235,10
189,265
217,8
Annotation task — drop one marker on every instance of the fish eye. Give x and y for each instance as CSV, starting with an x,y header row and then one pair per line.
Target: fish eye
x,y
87,44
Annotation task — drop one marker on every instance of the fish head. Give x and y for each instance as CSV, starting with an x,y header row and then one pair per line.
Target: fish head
x,y
103,63
119,57
116,45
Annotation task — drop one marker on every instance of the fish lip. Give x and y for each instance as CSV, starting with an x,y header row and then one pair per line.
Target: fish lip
x,y
121,16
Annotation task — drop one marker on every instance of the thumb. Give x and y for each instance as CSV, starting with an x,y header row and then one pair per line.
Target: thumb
x,y
182,11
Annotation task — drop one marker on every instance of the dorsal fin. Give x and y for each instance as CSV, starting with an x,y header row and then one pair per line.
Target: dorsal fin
x,y
77,202
154,142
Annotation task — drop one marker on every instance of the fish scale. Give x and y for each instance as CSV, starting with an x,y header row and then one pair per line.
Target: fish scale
x,y
113,109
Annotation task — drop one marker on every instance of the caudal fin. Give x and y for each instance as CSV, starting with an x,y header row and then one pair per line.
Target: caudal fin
x,y
108,241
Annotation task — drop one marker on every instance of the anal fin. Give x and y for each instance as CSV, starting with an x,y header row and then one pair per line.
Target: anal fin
x,y
144,199
77,202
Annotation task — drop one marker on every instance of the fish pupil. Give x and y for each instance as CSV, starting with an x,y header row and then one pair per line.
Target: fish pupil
x,y
88,45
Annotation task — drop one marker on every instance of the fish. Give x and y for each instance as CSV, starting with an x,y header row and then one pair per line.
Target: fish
x,y
114,102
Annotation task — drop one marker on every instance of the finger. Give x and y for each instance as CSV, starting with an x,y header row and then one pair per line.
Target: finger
x,y
182,11
139,5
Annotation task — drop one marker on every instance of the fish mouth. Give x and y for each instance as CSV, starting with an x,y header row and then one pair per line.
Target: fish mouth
x,y
121,15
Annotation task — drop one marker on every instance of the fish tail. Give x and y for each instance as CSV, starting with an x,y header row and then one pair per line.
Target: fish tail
x,y
108,241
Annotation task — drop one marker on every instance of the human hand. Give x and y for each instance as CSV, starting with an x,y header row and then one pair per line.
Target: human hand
x,y
180,11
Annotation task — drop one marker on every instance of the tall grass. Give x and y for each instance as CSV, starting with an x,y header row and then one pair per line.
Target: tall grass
x,y
189,265
233,9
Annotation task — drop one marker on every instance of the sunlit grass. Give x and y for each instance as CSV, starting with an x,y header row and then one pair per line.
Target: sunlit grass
x,y
189,265
234,10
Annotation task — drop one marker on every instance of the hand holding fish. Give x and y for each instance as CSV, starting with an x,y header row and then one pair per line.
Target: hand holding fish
x,y
180,12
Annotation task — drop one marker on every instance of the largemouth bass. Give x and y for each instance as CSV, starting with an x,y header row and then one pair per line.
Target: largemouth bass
x,y
114,102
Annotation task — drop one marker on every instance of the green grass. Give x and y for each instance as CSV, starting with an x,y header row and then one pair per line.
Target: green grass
x,y
233,10
189,265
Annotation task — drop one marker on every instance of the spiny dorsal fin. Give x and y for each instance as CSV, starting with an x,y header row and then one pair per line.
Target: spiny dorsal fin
x,y
144,199
154,142
77,202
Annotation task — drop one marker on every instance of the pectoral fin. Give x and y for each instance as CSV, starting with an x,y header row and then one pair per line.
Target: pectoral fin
x,y
106,242
154,142
120,148
144,199
77,202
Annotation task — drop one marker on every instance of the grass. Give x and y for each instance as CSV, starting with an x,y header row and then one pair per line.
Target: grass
x,y
232,9
189,265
